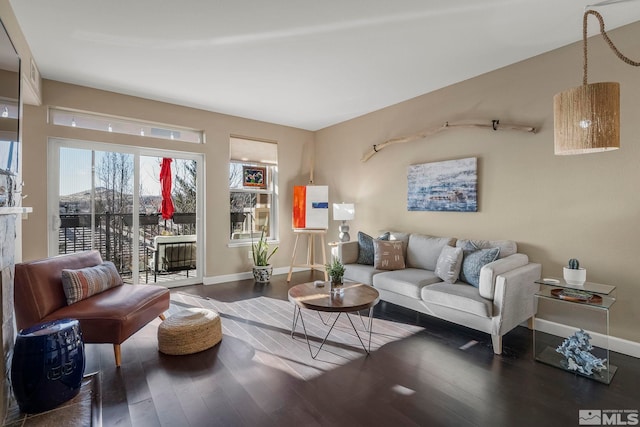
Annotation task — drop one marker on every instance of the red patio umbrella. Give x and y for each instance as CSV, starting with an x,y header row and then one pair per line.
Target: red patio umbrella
x,y
166,208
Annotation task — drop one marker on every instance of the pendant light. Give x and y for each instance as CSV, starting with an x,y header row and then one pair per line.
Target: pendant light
x,y
587,117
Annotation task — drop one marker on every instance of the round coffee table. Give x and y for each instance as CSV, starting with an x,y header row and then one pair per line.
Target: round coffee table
x,y
353,298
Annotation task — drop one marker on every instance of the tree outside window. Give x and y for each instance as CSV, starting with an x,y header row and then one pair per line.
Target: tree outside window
x,y
253,187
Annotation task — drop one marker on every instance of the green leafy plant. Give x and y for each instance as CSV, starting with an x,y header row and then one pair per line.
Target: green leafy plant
x,y
260,251
335,270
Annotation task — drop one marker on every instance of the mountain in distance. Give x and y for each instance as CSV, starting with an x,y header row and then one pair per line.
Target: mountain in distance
x,y
80,202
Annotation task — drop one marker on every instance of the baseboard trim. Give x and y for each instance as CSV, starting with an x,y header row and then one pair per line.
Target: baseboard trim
x,y
619,345
214,280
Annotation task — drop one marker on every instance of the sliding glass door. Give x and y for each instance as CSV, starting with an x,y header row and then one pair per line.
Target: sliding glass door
x,y
94,191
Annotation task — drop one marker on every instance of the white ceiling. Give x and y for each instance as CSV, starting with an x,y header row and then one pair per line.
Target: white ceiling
x,y
302,63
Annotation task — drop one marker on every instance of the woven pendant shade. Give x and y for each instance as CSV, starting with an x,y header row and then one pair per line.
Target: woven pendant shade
x,y
587,119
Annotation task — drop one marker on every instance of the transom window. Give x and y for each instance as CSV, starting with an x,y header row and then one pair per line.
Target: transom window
x,y
107,123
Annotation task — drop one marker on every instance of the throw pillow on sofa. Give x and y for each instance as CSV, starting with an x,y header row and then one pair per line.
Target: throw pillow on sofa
x,y
81,284
449,264
366,252
388,255
507,247
472,263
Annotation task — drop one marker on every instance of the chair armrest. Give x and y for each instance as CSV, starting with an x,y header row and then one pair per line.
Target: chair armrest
x,y
514,300
346,252
490,271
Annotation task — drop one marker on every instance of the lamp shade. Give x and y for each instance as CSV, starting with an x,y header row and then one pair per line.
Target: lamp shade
x,y
343,211
587,119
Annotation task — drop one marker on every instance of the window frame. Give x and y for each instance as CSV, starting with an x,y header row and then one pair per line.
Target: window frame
x,y
81,119
272,190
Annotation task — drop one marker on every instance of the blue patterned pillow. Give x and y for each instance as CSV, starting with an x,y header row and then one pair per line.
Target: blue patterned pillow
x,y
366,252
472,263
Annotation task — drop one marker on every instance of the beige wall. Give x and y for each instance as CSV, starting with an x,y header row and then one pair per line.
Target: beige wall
x,y
555,207
30,75
294,147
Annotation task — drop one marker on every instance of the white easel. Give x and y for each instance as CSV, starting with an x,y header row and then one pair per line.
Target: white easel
x,y
311,262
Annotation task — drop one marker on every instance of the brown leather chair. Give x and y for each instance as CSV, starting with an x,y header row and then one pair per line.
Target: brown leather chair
x,y
108,317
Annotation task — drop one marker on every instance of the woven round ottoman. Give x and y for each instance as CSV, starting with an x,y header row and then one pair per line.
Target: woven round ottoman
x,y
189,331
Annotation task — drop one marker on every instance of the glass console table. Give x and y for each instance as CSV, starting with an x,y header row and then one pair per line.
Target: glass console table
x,y
577,306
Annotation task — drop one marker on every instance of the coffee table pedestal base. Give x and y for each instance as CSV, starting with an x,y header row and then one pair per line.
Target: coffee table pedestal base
x,y
297,314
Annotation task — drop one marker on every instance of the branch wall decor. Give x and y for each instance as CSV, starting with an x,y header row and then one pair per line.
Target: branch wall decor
x,y
494,125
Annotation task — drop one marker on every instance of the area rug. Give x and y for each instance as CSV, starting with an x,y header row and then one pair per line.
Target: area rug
x,y
263,326
85,409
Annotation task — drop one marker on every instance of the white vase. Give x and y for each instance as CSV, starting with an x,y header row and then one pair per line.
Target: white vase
x,y
574,277
262,273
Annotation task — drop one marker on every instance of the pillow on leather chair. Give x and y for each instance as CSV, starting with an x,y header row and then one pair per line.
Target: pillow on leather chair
x,y
81,284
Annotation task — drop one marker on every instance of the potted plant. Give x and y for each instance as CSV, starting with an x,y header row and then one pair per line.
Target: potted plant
x,y
335,270
261,255
574,274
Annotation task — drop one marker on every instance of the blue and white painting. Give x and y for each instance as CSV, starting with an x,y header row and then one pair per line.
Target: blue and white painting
x,y
443,186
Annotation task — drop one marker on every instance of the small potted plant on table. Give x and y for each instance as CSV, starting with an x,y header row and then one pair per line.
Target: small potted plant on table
x,y
574,274
335,270
262,270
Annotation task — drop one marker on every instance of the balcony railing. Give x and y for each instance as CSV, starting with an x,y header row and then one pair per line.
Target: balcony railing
x,y
113,235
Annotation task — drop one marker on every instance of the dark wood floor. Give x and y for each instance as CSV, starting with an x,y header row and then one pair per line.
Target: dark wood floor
x,y
422,380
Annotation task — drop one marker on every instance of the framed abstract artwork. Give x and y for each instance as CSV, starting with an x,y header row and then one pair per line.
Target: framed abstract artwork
x,y
254,176
443,186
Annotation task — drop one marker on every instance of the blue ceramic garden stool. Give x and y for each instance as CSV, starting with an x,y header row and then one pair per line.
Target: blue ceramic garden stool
x,y
48,365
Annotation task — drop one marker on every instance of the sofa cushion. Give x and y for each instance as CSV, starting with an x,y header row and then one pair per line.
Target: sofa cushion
x,y
388,255
114,315
449,264
507,247
365,247
489,272
85,282
423,251
360,273
407,282
459,296
347,252
399,236
472,263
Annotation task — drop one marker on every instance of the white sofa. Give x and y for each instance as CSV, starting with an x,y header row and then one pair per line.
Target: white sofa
x,y
503,299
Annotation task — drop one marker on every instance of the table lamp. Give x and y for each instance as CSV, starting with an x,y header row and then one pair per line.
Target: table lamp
x,y
343,212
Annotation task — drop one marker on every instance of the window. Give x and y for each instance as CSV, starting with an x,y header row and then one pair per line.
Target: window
x,y
93,190
253,172
106,123
9,135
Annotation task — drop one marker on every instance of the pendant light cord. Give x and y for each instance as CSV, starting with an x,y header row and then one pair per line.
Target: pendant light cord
x,y
607,39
